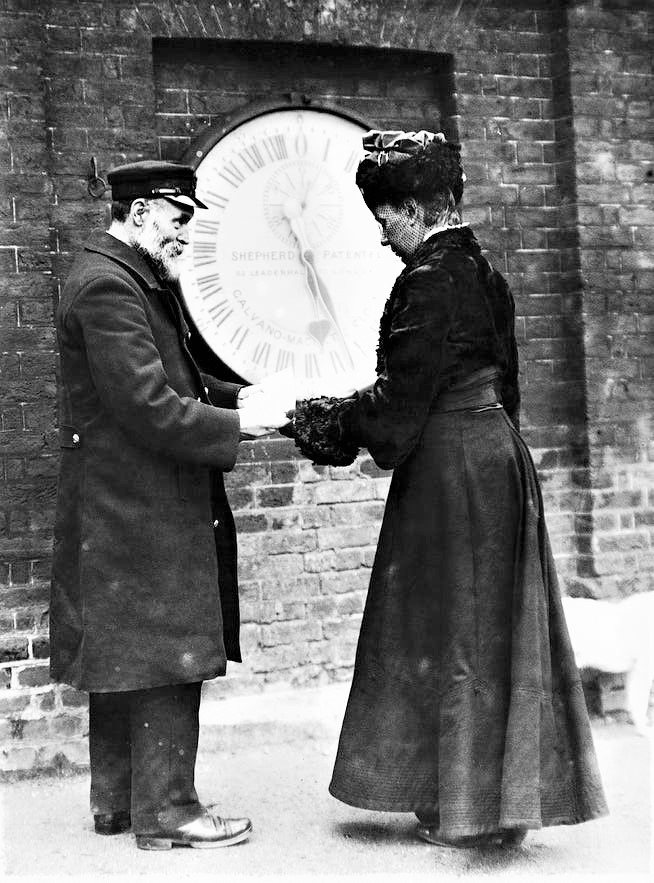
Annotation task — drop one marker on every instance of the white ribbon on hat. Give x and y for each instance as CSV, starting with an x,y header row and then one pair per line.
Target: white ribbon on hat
x,y
376,142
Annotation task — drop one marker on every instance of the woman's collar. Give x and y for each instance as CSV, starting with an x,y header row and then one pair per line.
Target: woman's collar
x,y
441,229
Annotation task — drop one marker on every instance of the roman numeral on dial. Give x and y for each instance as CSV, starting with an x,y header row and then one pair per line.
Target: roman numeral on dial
x,y
239,336
336,361
220,312
209,285
231,173
285,359
311,366
351,162
261,354
275,147
215,200
252,157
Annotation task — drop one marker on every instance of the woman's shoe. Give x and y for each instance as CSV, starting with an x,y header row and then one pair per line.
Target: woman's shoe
x,y
513,838
112,822
208,831
431,834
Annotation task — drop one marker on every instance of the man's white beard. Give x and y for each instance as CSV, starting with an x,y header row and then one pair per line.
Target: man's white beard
x,y
164,256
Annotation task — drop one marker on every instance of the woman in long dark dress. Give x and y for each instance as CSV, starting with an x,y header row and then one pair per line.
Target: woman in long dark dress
x,y
466,707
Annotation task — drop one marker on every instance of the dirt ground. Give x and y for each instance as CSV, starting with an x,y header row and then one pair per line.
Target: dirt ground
x,y
301,832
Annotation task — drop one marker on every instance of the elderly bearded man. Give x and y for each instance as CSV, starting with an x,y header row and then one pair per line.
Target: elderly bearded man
x,y
144,603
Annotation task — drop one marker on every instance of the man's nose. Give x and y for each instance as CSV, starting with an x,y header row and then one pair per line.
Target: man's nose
x,y
183,236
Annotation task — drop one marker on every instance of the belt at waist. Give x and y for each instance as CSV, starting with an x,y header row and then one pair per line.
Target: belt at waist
x,y
478,390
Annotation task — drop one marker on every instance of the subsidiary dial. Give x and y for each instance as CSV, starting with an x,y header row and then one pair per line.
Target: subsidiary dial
x,y
305,190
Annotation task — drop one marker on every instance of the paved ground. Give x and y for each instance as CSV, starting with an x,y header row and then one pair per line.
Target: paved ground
x,y
271,759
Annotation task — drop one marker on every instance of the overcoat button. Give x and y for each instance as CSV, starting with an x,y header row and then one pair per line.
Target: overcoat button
x,y
216,523
75,438
206,389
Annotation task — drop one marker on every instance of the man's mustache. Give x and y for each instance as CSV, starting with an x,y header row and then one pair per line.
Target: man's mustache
x,y
176,248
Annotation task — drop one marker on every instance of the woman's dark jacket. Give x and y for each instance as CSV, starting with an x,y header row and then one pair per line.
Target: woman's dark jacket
x,y
449,314
144,583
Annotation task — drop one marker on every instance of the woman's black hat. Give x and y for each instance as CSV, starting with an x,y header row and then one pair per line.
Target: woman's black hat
x,y
426,155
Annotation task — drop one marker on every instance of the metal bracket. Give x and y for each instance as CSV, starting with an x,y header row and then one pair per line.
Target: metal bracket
x,y
96,185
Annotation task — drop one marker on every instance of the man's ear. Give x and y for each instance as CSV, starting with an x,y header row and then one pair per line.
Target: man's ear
x,y
137,210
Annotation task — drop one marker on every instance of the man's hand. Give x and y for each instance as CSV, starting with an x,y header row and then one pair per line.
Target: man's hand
x,y
249,395
260,416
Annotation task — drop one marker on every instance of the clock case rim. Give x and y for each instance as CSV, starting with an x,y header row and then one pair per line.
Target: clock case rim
x,y
204,355
210,136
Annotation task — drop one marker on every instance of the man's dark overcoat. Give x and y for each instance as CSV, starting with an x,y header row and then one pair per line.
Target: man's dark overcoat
x,y
144,587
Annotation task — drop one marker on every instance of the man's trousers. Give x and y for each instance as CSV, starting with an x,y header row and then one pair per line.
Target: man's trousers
x,y
143,745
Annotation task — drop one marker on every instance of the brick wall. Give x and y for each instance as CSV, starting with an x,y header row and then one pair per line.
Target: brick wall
x,y
551,102
610,63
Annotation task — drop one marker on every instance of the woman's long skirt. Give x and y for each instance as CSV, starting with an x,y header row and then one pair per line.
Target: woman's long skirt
x,y
465,695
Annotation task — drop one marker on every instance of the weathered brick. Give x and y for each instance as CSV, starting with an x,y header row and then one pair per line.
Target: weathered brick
x,y
345,492
280,495
249,523
304,585
314,516
534,261
34,676
636,215
277,633
8,260
344,581
13,648
282,519
40,647
319,608
279,658
272,567
29,730
65,726
284,473
638,260
340,628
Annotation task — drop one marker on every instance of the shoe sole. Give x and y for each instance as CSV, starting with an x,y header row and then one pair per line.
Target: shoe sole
x,y
112,832
473,843
159,843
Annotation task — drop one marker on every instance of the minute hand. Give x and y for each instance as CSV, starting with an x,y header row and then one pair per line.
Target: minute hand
x,y
317,287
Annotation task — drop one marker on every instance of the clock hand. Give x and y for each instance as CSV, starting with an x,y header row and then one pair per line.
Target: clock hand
x,y
292,210
322,298
311,277
322,293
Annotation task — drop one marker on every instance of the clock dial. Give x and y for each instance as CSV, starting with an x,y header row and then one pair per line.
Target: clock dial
x,y
286,269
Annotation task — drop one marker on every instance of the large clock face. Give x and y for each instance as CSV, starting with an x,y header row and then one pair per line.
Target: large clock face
x,y
285,268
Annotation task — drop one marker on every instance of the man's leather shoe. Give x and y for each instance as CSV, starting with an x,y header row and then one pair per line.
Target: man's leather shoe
x,y
208,831
112,822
